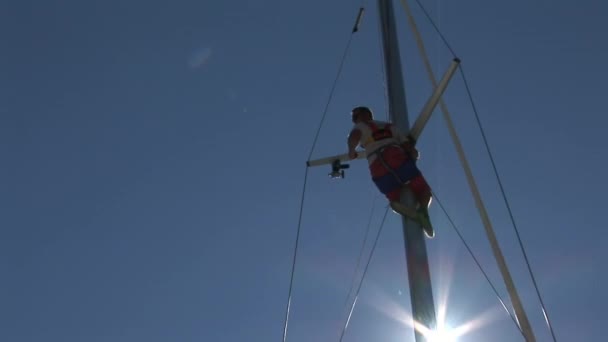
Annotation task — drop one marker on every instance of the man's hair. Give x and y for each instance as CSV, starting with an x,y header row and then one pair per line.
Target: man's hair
x,y
363,109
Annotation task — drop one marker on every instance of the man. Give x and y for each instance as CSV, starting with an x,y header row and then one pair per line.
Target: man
x,y
392,163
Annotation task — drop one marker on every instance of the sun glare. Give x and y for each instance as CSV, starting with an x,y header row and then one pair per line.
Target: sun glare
x,y
442,333
441,336
444,330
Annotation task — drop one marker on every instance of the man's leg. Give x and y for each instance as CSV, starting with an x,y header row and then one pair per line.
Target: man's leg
x,y
421,190
423,195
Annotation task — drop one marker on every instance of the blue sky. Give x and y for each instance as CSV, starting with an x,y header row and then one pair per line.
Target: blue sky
x,y
153,155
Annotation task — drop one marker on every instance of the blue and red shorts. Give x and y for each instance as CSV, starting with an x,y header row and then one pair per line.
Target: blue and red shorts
x,y
392,168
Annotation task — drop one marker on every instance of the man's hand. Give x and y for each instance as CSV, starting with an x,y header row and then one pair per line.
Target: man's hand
x,y
410,150
352,154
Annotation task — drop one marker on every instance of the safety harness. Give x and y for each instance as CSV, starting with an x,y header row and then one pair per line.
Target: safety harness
x,y
381,133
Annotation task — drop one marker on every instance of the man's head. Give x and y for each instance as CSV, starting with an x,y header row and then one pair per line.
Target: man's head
x,y
361,114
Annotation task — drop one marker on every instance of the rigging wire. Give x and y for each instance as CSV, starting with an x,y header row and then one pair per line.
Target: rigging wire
x,y
352,308
333,88
466,245
502,190
508,206
432,22
299,227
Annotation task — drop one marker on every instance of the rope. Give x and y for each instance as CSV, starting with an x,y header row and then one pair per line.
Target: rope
x,y
352,308
299,228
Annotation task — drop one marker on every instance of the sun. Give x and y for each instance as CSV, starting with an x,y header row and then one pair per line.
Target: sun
x,y
441,335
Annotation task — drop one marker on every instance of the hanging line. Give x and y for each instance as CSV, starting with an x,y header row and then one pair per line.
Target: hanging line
x,y
295,251
502,190
362,249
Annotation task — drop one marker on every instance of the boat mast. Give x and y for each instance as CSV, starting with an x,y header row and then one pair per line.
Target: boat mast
x,y
421,293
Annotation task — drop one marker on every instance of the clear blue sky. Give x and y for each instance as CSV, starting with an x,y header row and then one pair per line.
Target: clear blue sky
x,y
153,155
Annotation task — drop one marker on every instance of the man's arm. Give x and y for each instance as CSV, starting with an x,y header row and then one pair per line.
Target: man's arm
x,y
353,140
